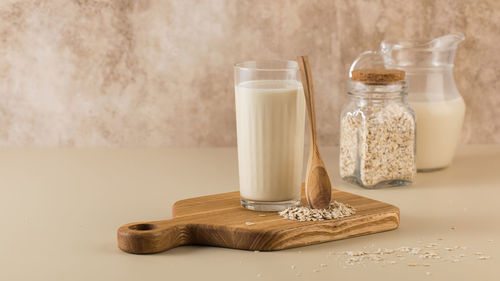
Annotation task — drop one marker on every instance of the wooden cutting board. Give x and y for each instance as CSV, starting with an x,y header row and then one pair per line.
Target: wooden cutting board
x,y
219,220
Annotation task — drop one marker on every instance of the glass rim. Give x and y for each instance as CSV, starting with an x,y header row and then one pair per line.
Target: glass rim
x,y
423,44
255,65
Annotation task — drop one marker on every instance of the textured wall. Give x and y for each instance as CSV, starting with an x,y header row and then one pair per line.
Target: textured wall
x,y
151,73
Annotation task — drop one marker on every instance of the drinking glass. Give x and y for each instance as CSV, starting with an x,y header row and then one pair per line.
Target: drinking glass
x,y
270,118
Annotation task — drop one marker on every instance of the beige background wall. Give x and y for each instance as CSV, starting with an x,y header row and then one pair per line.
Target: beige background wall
x,y
159,73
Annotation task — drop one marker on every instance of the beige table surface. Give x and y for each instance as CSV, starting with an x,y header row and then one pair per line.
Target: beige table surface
x,y
60,209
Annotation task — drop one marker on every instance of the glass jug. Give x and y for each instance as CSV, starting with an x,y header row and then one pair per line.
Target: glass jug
x,y
433,95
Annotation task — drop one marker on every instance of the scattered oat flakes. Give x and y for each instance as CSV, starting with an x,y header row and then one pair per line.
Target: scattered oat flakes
x,y
323,265
387,251
427,273
292,267
352,254
430,254
259,275
256,251
262,215
249,223
382,255
415,251
374,257
404,249
302,213
354,259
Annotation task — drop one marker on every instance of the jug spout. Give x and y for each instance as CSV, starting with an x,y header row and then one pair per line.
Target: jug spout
x,y
437,52
447,42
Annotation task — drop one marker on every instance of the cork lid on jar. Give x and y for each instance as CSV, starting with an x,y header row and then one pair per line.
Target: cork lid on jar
x,y
377,75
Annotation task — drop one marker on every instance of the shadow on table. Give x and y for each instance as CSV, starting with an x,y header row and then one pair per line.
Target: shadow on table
x,y
467,169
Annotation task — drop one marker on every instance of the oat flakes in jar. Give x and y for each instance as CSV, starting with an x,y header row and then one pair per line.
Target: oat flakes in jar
x,y
377,127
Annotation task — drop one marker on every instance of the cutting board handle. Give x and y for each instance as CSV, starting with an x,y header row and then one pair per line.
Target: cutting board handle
x,y
153,237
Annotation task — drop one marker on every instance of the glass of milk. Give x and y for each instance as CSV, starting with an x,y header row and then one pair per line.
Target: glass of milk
x,y
433,95
270,119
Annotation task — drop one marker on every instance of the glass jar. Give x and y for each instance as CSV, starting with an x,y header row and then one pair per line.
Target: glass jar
x,y
377,130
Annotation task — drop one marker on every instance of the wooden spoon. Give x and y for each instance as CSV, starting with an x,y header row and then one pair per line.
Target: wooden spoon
x,y
318,186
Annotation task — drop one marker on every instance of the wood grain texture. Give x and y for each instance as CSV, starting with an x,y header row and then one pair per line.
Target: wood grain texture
x,y
219,220
318,185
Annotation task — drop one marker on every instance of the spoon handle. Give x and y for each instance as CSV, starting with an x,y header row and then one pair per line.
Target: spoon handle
x,y
307,84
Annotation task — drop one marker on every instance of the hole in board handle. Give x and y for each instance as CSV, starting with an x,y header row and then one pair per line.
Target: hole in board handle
x,y
143,226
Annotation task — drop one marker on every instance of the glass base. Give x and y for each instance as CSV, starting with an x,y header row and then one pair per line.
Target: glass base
x,y
382,184
431,169
265,206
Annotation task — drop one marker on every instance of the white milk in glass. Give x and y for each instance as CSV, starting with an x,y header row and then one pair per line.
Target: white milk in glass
x,y
439,124
270,116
